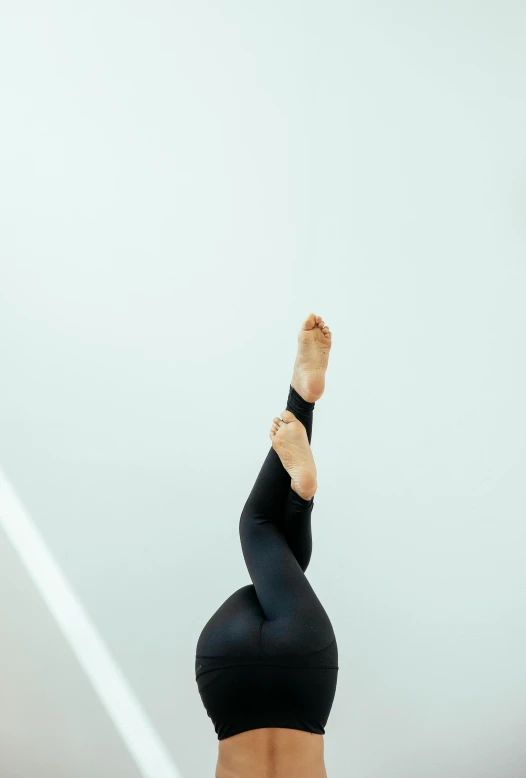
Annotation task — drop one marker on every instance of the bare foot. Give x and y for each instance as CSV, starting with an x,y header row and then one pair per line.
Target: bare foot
x,y
314,343
290,442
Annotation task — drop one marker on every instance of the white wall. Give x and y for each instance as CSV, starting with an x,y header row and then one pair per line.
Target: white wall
x,y
180,183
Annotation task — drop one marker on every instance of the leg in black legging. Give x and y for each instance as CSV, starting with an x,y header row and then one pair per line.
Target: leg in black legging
x,y
296,522
294,614
297,529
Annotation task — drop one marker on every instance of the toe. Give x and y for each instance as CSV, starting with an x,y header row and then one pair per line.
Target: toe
x,y
310,322
287,417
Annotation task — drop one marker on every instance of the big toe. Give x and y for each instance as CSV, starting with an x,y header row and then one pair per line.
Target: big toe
x,y
310,322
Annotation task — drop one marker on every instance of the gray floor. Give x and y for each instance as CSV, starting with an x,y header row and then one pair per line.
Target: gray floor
x,y
51,723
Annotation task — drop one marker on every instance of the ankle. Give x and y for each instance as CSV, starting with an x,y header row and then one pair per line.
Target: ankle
x,y
298,403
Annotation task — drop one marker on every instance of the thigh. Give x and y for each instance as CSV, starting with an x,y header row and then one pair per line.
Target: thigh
x,y
287,598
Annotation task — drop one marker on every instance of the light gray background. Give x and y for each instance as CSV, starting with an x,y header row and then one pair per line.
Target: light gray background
x,y
180,184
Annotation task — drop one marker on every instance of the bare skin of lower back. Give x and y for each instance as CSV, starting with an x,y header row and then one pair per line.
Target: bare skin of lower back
x,y
272,752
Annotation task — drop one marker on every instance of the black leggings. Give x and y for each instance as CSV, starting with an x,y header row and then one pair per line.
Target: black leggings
x,y
276,539
278,618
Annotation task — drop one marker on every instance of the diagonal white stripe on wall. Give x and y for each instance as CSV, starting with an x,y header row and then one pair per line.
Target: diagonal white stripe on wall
x,y
107,679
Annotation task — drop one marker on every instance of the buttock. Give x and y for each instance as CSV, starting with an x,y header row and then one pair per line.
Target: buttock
x,y
235,627
238,629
